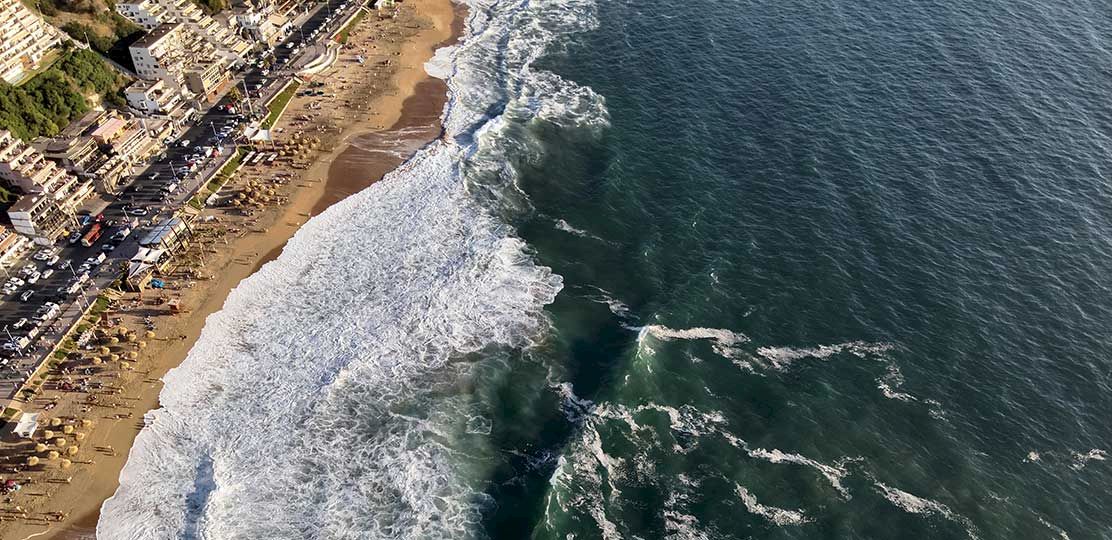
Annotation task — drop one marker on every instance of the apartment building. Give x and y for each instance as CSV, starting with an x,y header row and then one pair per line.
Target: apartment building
x,y
207,80
51,193
25,169
151,14
11,244
153,97
264,24
24,39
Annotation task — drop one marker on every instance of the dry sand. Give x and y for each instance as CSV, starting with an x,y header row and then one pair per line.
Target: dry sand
x,y
407,109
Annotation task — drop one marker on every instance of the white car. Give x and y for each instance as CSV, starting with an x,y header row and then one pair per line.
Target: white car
x,y
34,278
20,323
47,273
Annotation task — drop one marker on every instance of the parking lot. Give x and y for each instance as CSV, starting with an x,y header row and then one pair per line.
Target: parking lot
x,y
46,289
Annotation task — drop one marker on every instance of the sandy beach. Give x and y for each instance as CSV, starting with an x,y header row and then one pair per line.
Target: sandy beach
x,y
375,116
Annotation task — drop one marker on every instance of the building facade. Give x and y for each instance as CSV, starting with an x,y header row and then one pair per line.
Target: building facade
x,y
24,39
51,194
151,14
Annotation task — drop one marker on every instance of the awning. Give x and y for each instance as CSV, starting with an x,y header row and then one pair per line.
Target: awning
x,y
27,425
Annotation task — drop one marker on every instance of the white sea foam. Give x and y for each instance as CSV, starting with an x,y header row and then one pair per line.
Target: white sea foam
x,y
563,225
724,342
779,516
1081,459
1062,535
833,474
782,357
919,505
304,409
617,307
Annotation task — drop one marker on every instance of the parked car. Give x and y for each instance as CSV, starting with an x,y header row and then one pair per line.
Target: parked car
x,y
138,211
20,323
47,273
26,295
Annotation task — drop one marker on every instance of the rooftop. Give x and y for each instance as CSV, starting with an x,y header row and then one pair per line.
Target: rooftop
x,y
154,36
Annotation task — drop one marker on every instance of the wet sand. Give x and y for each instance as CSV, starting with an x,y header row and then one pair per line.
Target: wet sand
x,y
401,118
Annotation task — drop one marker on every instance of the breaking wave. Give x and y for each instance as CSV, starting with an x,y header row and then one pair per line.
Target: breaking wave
x,y
918,505
312,406
778,516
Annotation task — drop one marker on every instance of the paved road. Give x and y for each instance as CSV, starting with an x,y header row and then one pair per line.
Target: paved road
x,y
147,200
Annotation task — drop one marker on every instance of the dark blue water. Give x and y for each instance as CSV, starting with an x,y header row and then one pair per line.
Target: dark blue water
x,y
818,270
832,270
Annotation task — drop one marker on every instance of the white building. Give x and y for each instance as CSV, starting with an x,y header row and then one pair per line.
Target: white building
x,y
151,14
24,40
51,193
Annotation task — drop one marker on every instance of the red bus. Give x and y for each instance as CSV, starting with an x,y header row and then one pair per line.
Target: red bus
x,y
93,235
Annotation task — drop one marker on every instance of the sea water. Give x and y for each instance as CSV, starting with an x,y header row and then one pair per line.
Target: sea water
x,y
732,269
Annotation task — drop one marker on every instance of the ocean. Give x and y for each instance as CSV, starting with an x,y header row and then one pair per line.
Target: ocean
x,y
700,270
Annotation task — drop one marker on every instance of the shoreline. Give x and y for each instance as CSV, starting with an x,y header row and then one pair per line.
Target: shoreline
x,y
402,118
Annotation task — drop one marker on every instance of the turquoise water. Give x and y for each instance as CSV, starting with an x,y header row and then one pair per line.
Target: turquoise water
x,y
703,270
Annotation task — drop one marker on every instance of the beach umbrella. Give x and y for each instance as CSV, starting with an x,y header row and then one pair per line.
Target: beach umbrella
x,y
113,340
124,331
52,455
48,434
113,357
96,361
55,422
86,423
131,337
72,451
105,350
40,447
65,464
149,334
60,442
127,365
79,436
67,429
32,461
132,355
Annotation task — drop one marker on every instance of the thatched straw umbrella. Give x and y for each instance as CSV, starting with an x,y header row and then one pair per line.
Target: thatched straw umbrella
x,y
67,429
40,447
55,422
149,334
113,357
48,434
32,461
114,340
52,455
97,361
79,436
104,350
127,365
65,464
86,423
123,331
72,451
131,337
132,355
60,442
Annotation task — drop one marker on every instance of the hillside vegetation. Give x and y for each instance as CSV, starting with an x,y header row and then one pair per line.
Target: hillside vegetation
x,y
52,99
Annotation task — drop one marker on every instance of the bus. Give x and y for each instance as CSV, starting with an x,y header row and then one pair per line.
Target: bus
x,y
93,235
